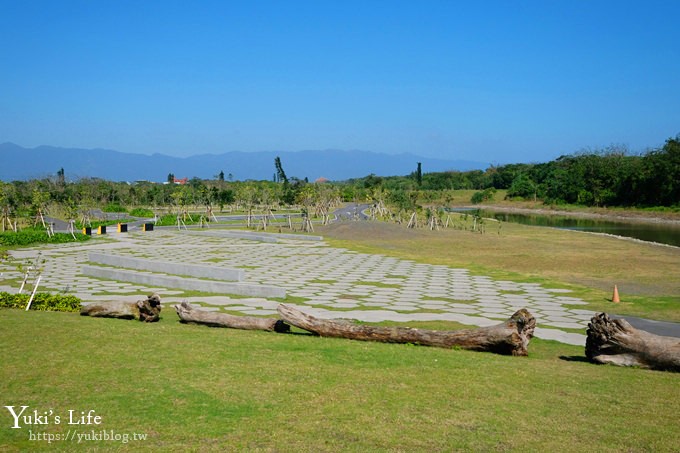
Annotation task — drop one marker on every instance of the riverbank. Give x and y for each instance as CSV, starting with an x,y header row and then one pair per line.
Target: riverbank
x,y
616,215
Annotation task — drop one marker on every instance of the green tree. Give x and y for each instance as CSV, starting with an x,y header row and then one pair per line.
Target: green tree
x,y
280,174
522,187
661,175
482,196
372,181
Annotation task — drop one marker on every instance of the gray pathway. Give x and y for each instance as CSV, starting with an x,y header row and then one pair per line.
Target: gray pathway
x,y
323,281
668,329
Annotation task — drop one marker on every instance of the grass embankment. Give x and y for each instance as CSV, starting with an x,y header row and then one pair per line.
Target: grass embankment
x,y
647,275
196,388
463,198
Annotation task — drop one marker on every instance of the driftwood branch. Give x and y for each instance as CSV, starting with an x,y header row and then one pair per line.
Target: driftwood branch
x,y
147,310
616,342
511,337
188,314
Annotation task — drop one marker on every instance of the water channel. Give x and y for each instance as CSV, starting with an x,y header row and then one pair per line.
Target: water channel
x,y
662,233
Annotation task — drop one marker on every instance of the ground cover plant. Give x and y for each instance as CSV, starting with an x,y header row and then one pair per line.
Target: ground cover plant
x,y
142,212
31,236
41,301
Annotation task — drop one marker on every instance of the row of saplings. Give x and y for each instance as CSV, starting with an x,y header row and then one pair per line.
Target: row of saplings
x,y
612,341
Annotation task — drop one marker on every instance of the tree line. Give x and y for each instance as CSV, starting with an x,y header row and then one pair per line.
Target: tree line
x,y
71,199
608,177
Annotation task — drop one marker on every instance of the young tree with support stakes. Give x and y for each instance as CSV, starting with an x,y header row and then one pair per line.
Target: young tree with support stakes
x,y
306,197
181,197
6,201
39,206
246,196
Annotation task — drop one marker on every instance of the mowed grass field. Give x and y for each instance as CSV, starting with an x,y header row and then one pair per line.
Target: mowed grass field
x,y
194,388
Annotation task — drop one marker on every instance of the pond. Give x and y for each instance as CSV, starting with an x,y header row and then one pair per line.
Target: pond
x,y
662,233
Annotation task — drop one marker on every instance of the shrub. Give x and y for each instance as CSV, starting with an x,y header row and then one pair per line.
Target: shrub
x,y
37,236
485,195
522,187
41,301
167,220
114,207
141,212
171,220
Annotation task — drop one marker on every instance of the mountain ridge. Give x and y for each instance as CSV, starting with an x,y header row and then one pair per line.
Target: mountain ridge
x,y
336,165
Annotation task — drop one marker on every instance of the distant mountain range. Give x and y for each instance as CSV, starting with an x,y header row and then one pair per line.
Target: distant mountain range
x,y
18,163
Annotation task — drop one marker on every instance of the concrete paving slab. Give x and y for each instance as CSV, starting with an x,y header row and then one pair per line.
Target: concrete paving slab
x,y
561,336
345,305
259,312
461,310
565,325
184,283
294,265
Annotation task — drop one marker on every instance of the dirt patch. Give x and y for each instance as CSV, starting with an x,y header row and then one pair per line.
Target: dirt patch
x,y
363,230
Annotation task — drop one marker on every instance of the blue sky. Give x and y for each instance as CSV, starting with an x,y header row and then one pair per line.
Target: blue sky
x,y
490,81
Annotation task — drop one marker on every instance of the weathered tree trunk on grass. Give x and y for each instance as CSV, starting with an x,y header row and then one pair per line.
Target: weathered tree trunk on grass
x,y
510,338
188,314
147,310
616,342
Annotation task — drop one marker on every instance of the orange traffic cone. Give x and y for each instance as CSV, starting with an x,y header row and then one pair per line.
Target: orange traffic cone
x,y
615,297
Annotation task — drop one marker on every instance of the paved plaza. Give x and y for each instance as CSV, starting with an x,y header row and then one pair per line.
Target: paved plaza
x,y
321,280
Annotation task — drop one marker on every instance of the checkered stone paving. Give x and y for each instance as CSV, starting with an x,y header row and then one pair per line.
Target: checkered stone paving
x,y
324,281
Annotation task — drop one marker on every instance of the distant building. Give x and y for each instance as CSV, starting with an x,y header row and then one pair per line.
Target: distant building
x,y
180,181
321,180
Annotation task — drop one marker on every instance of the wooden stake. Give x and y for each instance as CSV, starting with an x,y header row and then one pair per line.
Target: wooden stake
x,y
413,223
35,288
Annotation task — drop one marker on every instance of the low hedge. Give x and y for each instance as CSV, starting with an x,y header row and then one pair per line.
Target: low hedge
x,y
37,236
171,220
141,212
114,207
41,301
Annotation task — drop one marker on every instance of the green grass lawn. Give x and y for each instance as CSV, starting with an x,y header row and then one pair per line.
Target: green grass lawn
x,y
194,388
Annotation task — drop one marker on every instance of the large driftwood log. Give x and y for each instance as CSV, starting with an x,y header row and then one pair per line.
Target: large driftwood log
x,y
147,310
616,342
511,337
188,314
